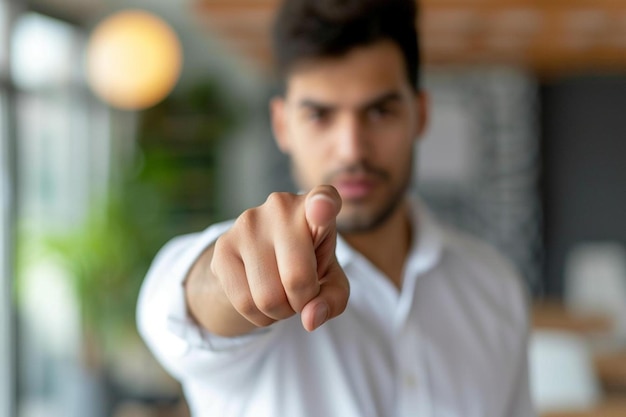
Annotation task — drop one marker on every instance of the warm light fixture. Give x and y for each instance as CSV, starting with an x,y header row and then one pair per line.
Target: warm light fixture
x,y
134,60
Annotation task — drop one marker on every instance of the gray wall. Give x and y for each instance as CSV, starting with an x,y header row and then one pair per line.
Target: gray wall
x,y
584,148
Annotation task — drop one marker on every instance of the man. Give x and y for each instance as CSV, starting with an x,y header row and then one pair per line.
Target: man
x,y
349,299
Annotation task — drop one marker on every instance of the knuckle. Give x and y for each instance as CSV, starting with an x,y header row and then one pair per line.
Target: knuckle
x,y
263,321
222,256
275,198
272,305
247,307
299,283
215,266
247,221
218,254
279,200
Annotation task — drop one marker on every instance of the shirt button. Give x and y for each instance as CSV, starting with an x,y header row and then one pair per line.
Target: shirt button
x,y
410,381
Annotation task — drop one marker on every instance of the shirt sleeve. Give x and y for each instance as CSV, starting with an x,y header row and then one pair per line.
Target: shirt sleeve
x,y
176,340
521,404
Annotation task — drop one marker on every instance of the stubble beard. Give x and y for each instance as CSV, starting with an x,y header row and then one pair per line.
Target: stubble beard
x,y
359,220
363,217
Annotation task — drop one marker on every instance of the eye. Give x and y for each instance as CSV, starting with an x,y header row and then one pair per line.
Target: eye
x,y
379,112
317,115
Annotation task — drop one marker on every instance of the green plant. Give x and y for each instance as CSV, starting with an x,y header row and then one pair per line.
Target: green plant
x,y
168,190
107,257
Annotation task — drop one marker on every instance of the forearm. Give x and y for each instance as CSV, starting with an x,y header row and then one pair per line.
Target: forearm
x,y
208,304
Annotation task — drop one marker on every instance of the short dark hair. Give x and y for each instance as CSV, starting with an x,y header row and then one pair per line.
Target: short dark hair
x,y
309,29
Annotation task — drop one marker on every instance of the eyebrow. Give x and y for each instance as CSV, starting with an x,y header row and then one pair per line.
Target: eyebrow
x,y
384,98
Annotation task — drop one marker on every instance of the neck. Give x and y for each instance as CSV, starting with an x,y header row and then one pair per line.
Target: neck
x,y
387,246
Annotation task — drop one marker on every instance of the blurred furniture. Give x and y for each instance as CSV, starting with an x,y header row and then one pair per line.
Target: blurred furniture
x,y
554,315
612,408
562,375
140,409
595,282
579,332
611,370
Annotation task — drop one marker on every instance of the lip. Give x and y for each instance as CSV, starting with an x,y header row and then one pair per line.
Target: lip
x,y
355,189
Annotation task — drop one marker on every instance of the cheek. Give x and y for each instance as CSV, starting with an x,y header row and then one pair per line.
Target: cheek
x,y
393,149
309,150
308,165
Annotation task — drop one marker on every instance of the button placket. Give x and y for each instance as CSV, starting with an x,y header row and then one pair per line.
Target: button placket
x,y
409,383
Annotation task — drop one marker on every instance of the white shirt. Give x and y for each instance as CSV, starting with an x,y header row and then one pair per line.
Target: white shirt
x,y
451,343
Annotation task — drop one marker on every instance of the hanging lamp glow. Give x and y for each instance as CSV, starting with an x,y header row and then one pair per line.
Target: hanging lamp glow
x,y
134,60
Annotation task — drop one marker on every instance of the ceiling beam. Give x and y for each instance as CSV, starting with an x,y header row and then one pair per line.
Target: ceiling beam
x,y
538,35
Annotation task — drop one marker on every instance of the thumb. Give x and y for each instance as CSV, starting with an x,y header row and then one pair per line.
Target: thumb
x,y
321,208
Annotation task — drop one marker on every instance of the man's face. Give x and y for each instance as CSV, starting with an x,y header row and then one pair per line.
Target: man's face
x,y
352,122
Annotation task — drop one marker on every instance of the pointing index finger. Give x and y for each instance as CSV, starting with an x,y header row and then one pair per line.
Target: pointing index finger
x,y
322,206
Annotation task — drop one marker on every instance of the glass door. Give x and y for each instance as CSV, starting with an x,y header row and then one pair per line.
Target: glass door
x,y
7,181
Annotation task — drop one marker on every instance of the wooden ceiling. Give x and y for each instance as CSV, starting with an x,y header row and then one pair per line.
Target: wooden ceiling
x,y
545,36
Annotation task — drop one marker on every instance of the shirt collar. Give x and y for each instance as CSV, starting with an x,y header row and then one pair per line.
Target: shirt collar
x,y
428,241
426,247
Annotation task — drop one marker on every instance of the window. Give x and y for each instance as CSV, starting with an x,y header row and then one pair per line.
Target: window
x,y
7,374
62,141
7,380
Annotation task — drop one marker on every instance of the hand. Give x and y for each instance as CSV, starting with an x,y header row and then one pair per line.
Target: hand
x,y
279,259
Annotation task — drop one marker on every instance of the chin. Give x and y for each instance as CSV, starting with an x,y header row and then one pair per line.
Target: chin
x,y
367,217
357,221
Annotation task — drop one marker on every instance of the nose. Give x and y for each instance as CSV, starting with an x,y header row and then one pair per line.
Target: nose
x,y
352,145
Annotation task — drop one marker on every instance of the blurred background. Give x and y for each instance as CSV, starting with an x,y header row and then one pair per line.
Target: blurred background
x,y
123,124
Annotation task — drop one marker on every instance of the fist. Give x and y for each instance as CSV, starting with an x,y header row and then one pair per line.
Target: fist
x,y
279,260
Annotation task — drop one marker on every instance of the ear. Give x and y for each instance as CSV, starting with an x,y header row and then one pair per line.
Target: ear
x,y
279,123
422,108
